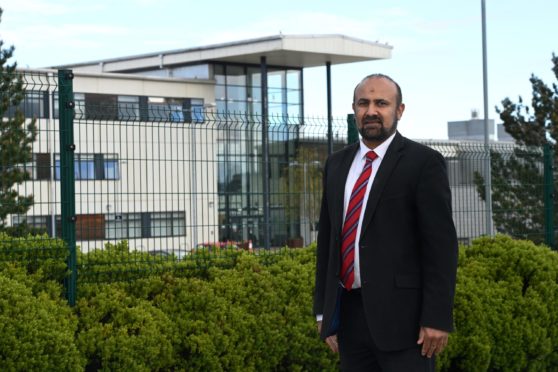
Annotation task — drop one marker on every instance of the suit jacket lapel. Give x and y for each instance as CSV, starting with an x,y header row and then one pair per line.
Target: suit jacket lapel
x,y
340,174
382,176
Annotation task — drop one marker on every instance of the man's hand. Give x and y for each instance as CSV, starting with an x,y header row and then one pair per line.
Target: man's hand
x,y
331,341
433,341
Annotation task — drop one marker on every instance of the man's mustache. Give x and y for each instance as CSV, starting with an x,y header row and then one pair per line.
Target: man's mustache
x,y
372,119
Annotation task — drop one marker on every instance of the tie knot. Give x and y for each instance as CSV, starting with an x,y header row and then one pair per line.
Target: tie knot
x,y
371,155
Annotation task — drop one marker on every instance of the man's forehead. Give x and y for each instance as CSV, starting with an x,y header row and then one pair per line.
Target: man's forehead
x,y
377,85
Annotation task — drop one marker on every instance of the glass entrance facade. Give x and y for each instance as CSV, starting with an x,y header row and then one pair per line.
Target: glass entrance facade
x,y
238,96
238,105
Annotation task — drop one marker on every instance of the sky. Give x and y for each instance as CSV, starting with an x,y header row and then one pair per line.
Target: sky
x,y
436,56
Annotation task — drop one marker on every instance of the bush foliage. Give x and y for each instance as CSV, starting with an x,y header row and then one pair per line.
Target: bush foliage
x,y
253,312
506,309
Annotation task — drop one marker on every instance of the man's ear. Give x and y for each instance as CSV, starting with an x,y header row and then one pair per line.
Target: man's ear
x,y
400,110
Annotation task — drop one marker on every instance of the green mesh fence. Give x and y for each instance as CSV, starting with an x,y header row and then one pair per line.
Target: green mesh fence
x,y
29,197
165,184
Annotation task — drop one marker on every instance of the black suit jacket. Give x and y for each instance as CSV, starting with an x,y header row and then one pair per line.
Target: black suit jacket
x,y
408,245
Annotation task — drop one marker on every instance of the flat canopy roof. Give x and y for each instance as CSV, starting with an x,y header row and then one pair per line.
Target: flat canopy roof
x,y
280,50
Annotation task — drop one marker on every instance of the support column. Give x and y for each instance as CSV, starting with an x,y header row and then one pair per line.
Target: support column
x,y
265,154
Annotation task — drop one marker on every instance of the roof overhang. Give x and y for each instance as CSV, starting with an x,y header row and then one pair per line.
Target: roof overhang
x,y
297,51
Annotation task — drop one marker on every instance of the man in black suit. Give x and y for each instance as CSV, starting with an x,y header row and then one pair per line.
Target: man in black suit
x,y
387,252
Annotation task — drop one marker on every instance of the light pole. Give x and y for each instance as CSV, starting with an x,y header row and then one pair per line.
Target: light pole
x,y
488,176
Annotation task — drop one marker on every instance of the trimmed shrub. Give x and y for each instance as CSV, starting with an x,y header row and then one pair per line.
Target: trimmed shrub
x,y
118,332
37,254
506,310
250,318
36,330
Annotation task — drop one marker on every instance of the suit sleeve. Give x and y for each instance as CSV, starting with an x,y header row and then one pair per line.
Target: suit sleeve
x,y
439,247
322,250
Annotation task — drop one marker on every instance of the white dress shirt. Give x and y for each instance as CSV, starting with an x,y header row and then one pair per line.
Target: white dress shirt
x,y
354,173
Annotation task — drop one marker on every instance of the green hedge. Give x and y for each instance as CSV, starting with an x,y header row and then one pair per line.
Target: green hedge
x,y
253,313
37,328
506,309
253,317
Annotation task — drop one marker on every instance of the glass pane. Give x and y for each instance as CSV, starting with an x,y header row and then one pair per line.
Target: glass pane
x,y
221,106
176,114
254,77
293,97
191,72
161,225
236,76
111,169
293,79
84,168
294,111
236,93
128,107
197,114
79,109
158,111
57,167
134,225
275,95
179,224
238,107
219,71
115,227
275,79
220,92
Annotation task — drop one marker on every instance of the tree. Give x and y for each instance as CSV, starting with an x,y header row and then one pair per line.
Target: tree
x,y
518,178
16,139
301,188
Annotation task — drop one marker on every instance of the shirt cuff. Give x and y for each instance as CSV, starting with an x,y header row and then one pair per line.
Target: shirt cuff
x,y
319,317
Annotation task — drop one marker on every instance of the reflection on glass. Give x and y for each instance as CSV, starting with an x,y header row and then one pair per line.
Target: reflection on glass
x,y
235,75
275,79
293,79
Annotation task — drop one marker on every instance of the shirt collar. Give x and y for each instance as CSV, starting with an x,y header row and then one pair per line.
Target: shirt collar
x,y
380,150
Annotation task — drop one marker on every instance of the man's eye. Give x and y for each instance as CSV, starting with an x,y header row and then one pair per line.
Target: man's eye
x,y
381,103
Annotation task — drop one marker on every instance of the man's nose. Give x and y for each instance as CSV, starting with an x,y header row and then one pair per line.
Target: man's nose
x,y
371,110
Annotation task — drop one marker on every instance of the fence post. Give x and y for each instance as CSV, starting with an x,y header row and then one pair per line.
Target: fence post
x,y
66,106
265,154
352,131
548,195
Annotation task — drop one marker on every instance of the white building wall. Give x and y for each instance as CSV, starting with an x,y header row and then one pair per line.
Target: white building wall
x,y
163,166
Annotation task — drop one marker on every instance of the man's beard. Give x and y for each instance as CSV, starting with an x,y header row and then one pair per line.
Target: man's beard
x,y
384,132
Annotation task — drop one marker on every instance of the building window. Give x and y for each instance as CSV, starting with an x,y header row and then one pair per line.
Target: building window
x,y
177,110
84,167
92,167
33,105
79,109
114,225
157,109
111,167
38,168
197,111
100,106
176,113
128,107
123,226
40,222
167,224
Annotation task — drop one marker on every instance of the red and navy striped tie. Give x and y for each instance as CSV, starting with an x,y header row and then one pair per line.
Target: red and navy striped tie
x,y
348,234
